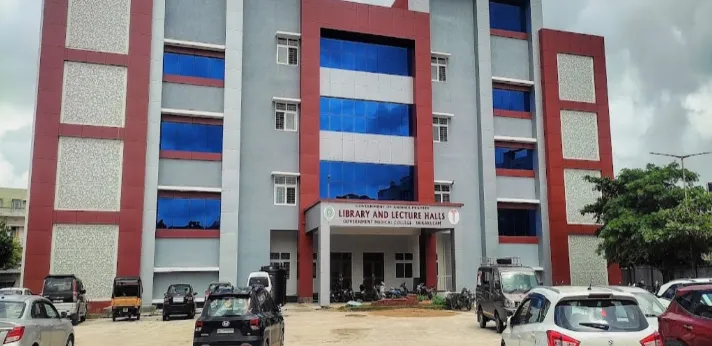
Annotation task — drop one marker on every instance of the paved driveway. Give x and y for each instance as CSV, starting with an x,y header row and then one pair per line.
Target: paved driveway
x,y
305,326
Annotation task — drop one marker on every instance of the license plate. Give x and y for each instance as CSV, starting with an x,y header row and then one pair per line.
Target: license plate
x,y
58,301
226,331
177,299
126,309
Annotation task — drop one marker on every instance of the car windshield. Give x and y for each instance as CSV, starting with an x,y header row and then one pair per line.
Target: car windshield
x,y
128,289
650,305
11,310
179,289
702,303
600,315
228,306
518,281
214,287
259,280
56,285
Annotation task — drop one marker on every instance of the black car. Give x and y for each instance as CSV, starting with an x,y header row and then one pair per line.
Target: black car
x,y
179,299
242,316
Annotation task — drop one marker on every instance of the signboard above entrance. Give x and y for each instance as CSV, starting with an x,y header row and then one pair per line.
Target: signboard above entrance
x,y
390,215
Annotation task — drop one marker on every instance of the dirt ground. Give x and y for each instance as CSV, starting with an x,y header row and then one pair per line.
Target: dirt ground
x,y
305,325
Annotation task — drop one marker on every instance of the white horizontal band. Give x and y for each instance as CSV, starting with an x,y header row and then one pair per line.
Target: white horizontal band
x,y
365,86
189,189
286,99
514,139
440,114
185,269
440,54
518,200
512,81
192,44
444,182
366,148
191,113
287,34
285,174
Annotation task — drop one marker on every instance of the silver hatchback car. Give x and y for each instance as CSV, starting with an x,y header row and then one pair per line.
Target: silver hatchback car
x,y
33,320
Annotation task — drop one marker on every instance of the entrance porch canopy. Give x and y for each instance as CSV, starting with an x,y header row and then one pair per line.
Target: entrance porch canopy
x,y
325,214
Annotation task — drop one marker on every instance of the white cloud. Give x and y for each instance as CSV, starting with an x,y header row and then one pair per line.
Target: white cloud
x,y
699,110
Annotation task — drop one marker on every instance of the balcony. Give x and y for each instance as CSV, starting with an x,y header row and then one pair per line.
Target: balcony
x,y
12,212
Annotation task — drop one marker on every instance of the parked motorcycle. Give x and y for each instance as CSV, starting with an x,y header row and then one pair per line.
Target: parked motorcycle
x,y
400,292
425,291
458,301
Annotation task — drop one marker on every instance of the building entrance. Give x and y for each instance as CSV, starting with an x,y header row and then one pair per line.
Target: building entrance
x,y
373,268
340,265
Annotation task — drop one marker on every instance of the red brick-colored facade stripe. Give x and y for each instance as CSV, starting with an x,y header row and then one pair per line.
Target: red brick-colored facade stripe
x,y
512,114
189,155
552,43
375,20
522,173
505,86
518,240
187,194
514,145
194,51
525,206
194,81
510,34
188,233
191,120
41,213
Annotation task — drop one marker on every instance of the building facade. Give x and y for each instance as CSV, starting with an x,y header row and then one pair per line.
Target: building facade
x,y
193,141
13,206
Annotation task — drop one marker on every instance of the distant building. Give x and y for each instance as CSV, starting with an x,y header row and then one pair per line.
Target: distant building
x,y
13,203
709,186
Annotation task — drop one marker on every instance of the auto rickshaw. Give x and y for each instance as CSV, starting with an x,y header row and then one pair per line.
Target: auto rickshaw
x,y
126,297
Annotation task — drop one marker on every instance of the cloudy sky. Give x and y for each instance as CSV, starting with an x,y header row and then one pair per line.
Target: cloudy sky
x,y
659,55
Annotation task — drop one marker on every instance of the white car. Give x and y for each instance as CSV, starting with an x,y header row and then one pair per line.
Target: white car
x,y
579,316
650,305
15,291
260,278
668,289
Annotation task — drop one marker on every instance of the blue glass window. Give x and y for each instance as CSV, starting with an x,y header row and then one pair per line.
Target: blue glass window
x,y
200,138
188,213
516,222
511,100
507,16
365,57
514,158
193,66
354,180
357,116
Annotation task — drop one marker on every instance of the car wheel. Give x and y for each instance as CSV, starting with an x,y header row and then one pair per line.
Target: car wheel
x,y
166,317
138,316
500,324
75,318
70,341
502,343
481,318
86,312
113,318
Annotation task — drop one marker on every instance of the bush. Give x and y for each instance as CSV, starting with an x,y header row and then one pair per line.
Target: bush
x,y
439,301
422,298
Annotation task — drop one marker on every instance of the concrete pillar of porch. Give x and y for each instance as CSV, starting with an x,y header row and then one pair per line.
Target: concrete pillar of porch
x,y
324,258
431,260
305,251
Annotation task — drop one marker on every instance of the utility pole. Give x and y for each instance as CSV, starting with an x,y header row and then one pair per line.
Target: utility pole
x,y
682,163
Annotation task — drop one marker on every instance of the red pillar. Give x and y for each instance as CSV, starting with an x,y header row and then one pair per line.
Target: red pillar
x,y
431,260
615,275
305,253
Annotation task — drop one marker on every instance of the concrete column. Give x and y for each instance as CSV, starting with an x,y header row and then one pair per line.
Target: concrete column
x,y
305,251
324,265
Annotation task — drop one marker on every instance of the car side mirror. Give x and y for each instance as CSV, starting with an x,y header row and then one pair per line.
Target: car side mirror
x,y
63,314
511,322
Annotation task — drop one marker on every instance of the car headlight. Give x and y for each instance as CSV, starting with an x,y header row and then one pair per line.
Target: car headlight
x,y
509,304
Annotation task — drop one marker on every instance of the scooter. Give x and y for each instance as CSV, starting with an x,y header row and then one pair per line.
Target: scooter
x,y
422,290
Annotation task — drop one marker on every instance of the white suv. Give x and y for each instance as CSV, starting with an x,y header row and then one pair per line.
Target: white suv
x,y
579,316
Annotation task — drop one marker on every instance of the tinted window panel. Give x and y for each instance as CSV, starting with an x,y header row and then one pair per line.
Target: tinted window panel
x,y
507,17
517,222
357,116
199,138
193,66
511,100
365,57
188,213
514,158
352,180
600,316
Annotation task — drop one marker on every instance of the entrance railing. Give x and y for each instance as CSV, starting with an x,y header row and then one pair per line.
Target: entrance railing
x,y
445,283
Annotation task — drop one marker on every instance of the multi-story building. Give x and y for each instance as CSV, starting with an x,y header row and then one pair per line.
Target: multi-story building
x,y
13,203
191,141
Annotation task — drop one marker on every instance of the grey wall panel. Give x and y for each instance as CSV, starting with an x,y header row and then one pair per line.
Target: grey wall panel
x,y
516,187
192,97
510,58
148,229
199,281
187,253
513,127
527,253
453,31
196,20
189,173
262,148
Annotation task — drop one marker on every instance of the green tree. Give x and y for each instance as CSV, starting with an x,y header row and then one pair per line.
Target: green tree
x,y
10,249
647,220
